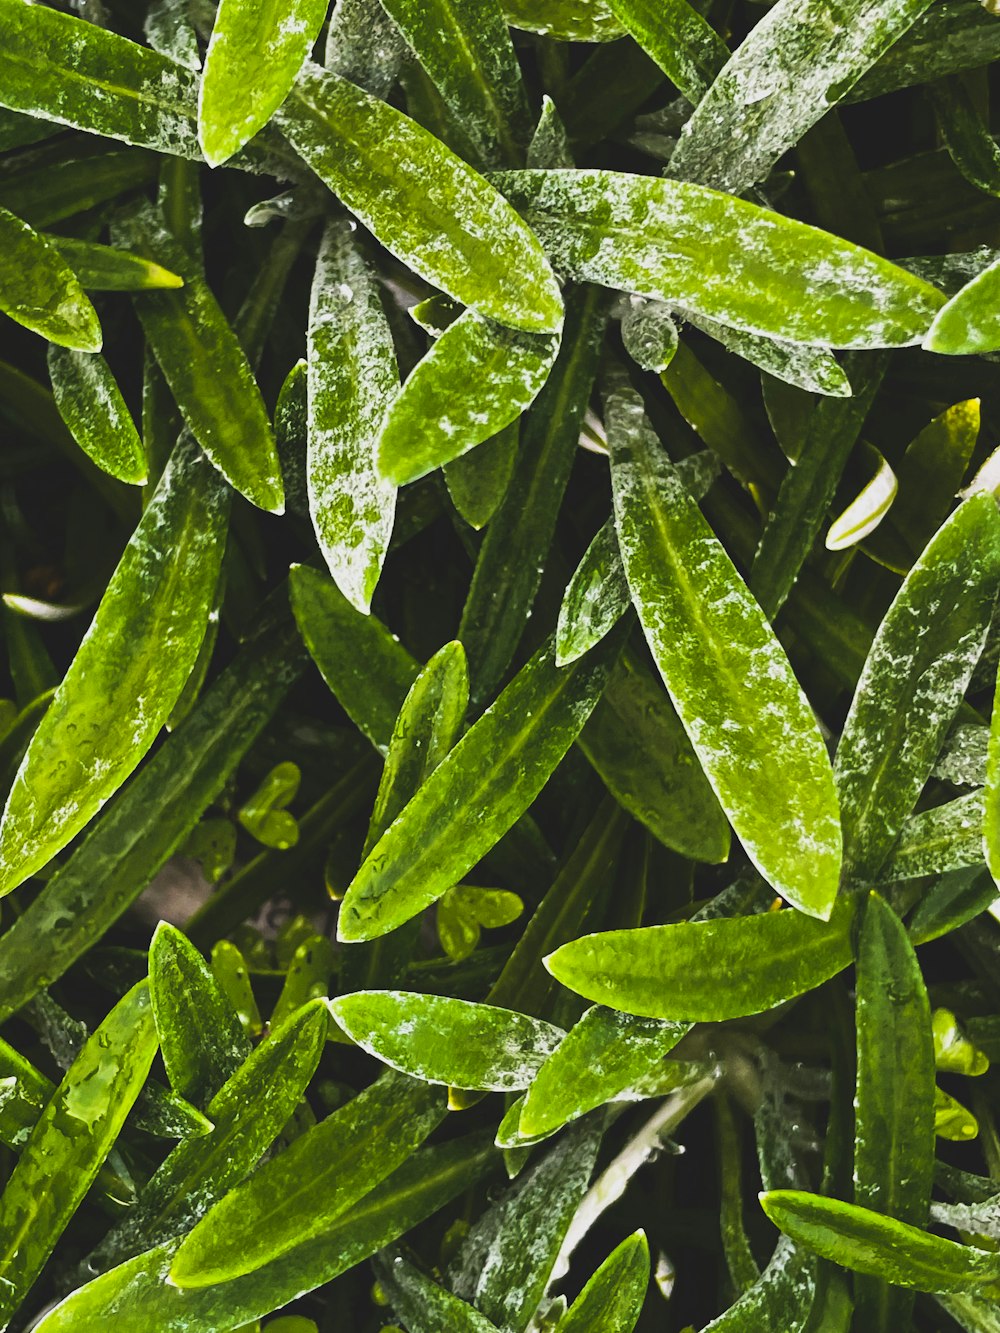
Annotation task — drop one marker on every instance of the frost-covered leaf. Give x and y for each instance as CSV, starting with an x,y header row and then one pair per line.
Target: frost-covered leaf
x,y
422,202
426,1306
797,62
39,289
707,971
944,838
441,1040
256,49
914,680
772,275
128,671
565,20
733,688
352,375
91,404
476,379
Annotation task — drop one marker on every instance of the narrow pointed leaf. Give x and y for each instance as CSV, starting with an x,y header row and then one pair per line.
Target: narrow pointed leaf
x,y
127,673
468,55
613,1298
422,202
248,1113
637,743
201,1039
969,323
477,378
783,1294
498,767
507,1258
681,41
729,679
777,276
206,368
812,369
368,669
91,404
297,1195
106,268
442,1040
423,1184
425,1306
880,1246
707,971
599,1057
866,511
902,708
70,1141
991,793
148,822
565,20
966,136
255,51
478,481
894,1097
352,375
947,837
39,289
777,85
596,598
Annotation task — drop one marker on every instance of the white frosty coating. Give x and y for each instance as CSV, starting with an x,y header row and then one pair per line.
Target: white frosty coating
x,y
256,49
963,759
566,20
913,681
128,671
456,1043
91,404
364,45
466,50
945,838
721,257
730,681
352,376
549,148
811,368
427,206
866,511
798,62
169,30
476,379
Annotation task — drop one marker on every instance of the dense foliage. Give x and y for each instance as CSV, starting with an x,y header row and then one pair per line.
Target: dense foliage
x,y
516,847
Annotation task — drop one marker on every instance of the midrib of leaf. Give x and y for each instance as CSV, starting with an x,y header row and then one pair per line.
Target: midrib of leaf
x,y
506,140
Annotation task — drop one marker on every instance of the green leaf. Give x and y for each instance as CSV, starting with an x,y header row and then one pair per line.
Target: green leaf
x,y
867,510
951,1119
506,1261
264,815
784,77
128,672
565,20
965,135
598,1058
422,1185
423,203
91,404
39,290
478,481
903,708
136,834
969,323
954,1053
804,497
880,1246
206,368
683,43
253,56
516,545
781,1297
779,277
468,55
991,792
707,971
636,742
470,801
612,1300
308,977
297,1195
201,1039
595,599
894,1098
365,666
352,375
725,671
443,1040
229,968
107,269
464,911
248,1112
945,838
810,368
70,1141
426,1307
477,378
